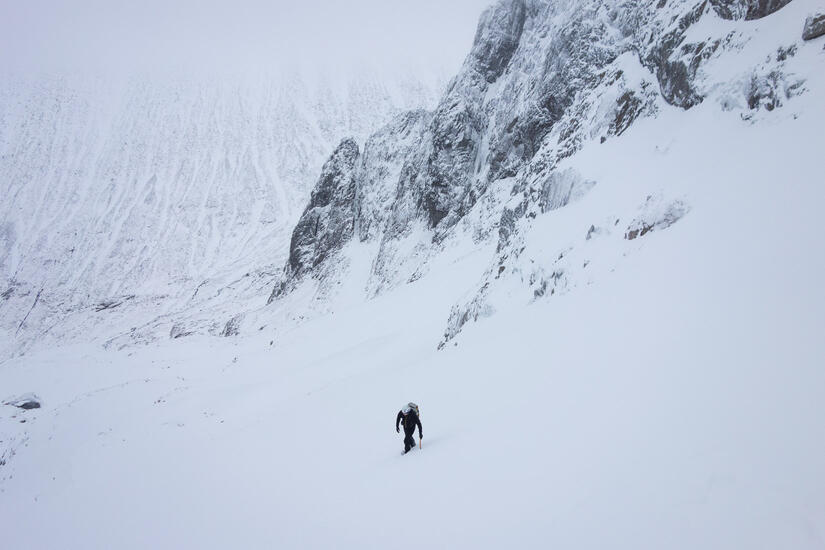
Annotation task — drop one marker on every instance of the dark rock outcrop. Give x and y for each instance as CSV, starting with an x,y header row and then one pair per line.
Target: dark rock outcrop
x,y
575,59
178,330
497,38
758,9
26,402
233,326
676,62
766,92
814,27
329,220
459,121
747,9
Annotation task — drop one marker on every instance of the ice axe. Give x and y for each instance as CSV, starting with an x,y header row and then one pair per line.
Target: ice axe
x,y
419,442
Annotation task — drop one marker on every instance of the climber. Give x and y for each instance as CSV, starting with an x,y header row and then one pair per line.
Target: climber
x,y
409,415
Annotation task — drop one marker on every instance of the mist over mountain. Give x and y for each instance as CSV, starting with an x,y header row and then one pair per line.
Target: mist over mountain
x,y
246,36
148,190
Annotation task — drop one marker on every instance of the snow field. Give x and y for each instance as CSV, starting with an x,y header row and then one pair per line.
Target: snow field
x,y
671,398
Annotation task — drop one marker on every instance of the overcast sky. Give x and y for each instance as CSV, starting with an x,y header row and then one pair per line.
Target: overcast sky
x,y
248,34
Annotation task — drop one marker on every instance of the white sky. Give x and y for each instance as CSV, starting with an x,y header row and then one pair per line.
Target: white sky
x,y
238,34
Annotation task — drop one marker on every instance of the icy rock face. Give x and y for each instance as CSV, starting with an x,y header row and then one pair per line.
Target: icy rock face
x,y
676,62
459,121
497,38
542,80
329,219
539,197
386,153
351,197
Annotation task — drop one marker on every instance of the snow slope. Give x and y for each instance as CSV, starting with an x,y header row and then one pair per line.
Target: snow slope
x,y
645,372
675,402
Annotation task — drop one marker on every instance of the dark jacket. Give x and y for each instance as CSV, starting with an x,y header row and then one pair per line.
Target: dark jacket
x,y
410,422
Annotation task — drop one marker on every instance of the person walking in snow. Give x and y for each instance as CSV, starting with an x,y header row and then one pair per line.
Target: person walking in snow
x,y
409,415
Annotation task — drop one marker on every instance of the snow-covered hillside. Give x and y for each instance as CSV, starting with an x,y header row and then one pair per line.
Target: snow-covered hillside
x,y
148,194
596,265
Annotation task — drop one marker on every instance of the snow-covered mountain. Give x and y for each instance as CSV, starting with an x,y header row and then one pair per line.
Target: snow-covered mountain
x,y
595,263
543,81
147,194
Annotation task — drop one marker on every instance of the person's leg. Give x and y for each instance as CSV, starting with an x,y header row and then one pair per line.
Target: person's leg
x,y
409,442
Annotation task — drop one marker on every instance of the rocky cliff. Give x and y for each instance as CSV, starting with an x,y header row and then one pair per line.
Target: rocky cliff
x,y
542,80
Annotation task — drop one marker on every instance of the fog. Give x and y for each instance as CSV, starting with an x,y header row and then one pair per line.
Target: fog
x,y
247,35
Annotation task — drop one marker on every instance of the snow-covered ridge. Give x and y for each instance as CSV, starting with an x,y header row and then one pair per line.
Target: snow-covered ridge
x,y
154,191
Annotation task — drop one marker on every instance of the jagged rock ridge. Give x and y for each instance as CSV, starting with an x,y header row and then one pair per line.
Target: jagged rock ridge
x,y
541,79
